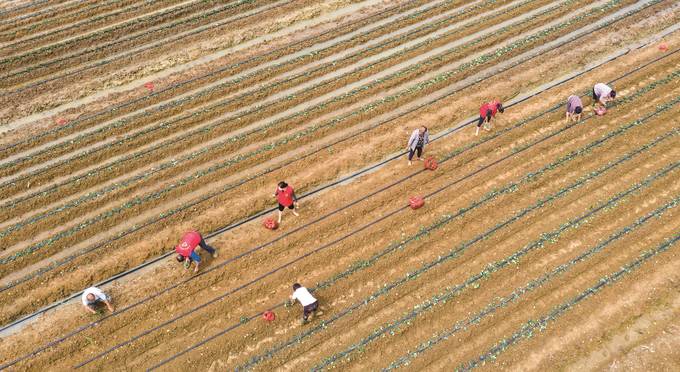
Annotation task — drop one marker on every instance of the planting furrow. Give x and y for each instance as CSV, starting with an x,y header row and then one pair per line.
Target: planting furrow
x,y
183,13
527,329
387,19
84,19
195,176
423,233
196,116
145,176
457,251
121,49
440,299
279,101
583,152
11,15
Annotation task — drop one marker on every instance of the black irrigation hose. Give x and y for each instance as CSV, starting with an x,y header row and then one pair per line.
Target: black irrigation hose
x,y
201,77
328,245
229,227
90,325
136,52
22,7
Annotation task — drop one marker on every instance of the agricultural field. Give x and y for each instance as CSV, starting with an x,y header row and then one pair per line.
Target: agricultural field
x,y
542,244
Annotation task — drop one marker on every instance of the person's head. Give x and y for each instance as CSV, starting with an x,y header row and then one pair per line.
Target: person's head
x,y
90,297
296,286
612,93
180,258
282,185
578,110
423,129
499,107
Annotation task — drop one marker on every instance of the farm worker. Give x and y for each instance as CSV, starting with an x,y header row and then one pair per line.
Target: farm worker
x,y
308,302
285,195
187,247
574,108
93,296
602,94
487,112
419,138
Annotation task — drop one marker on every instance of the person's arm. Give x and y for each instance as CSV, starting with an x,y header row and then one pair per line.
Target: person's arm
x,y
89,309
566,120
108,305
410,142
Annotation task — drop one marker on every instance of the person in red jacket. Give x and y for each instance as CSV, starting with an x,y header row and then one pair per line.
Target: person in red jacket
x,y
285,195
487,112
186,249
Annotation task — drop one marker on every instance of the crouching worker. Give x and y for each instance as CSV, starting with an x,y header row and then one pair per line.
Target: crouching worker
x,y
603,93
92,297
487,112
187,247
574,108
308,302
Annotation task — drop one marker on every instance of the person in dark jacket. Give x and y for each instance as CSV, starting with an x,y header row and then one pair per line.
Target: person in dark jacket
x,y
416,143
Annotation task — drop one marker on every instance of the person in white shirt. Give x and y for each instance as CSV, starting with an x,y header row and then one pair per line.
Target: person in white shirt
x,y
308,302
602,94
93,296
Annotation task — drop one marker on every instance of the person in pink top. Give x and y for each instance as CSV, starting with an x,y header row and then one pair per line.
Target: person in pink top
x,y
487,112
285,195
186,249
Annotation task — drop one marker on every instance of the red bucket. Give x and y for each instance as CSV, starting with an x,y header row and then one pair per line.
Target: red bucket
x,y
416,202
268,315
270,223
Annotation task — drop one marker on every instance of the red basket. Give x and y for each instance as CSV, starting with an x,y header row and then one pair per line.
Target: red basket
x,y
416,202
600,111
270,223
268,315
431,163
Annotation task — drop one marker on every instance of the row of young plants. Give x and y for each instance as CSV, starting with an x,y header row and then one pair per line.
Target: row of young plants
x,y
173,211
364,264
111,188
460,249
354,92
176,89
180,105
94,14
399,325
135,42
108,167
11,15
528,329
114,31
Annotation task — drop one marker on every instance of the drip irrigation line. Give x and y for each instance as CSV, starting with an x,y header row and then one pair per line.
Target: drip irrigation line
x,y
338,240
260,214
204,76
22,7
526,330
348,310
140,50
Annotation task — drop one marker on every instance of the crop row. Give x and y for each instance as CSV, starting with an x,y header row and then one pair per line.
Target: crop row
x,y
90,196
457,251
162,215
125,183
78,125
527,330
472,282
10,15
109,33
85,18
429,85
177,106
394,246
